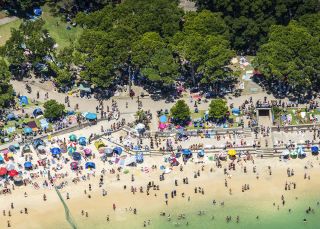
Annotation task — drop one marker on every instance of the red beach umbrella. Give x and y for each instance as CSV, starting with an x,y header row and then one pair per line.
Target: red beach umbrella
x,y
3,171
13,173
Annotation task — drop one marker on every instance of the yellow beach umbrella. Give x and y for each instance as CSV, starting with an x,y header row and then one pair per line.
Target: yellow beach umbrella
x,y
232,152
10,155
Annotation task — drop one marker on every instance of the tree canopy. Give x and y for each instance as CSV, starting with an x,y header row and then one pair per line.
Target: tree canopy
x,y
250,21
20,6
6,90
218,109
291,58
180,112
53,109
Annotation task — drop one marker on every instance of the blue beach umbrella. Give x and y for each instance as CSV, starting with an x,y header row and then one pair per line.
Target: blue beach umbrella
x,y
28,165
55,151
117,150
90,165
27,130
82,141
163,118
314,150
76,156
91,116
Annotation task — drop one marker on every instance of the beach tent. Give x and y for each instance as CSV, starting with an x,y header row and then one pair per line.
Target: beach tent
x,y
91,116
26,149
13,173
90,165
18,180
201,153
10,166
1,159
73,137
235,111
27,130
130,161
85,89
37,11
36,112
74,165
314,150
108,152
12,148
3,171
99,144
140,127
37,142
11,116
55,151
117,150
285,154
222,156
16,146
301,152
27,165
232,152
82,141
44,123
139,157
23,100
163,118
293,154
76,156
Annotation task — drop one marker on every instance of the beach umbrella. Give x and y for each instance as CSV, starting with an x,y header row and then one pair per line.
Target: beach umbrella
x,y
163,118
201,153
139,157
87,151
10,167
117,150
232,152
73,137
90,165
10,155
72,144
162,126
91,116
3,171
186,152
13,173
74,165
1,159
314,150
16,146
27,165
27,130
82,141
76,156
55,151
11,116
71,150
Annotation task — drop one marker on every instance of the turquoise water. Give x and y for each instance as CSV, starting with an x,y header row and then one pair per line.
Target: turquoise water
x,y
268,217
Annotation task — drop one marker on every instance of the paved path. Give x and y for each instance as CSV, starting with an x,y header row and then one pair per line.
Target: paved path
x,y
7,20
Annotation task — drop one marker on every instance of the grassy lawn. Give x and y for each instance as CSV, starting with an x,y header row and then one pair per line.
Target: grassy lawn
x,y
58,29
296,117
62,36
5,31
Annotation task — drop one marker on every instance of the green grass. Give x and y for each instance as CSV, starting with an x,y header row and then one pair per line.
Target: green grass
x,y
296,119
5,30
59,31
62,36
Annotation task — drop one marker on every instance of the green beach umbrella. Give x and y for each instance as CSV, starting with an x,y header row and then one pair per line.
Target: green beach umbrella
x,y
73,137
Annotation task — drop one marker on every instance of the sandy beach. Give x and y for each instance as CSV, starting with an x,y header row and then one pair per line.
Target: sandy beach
x,y
263,192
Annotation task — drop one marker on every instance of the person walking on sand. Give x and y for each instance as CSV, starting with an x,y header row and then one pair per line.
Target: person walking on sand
x,y
114,207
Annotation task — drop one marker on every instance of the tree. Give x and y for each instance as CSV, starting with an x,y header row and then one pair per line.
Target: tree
x,y
6,89
53,109
180,112
204,57
218,109
290,59
250,21
28,46
20,6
